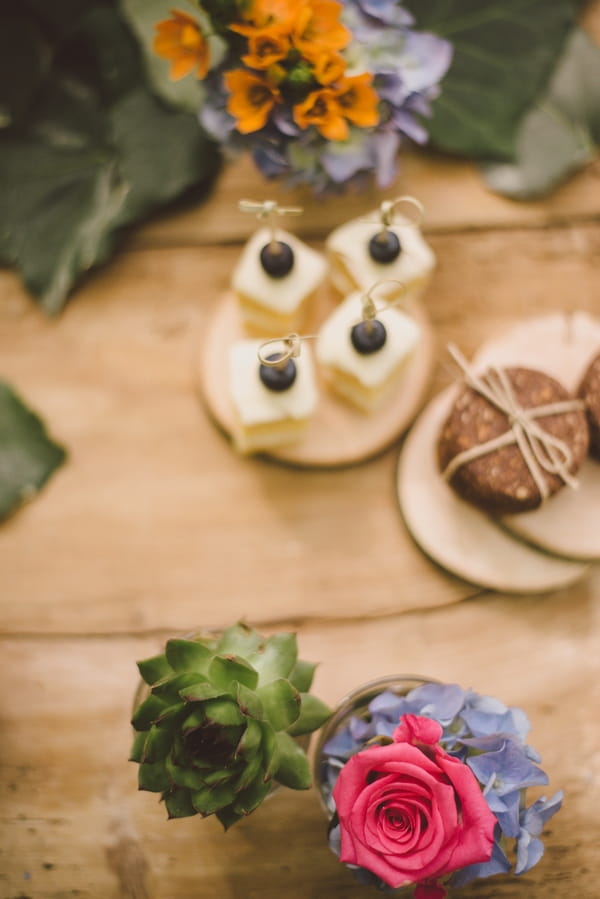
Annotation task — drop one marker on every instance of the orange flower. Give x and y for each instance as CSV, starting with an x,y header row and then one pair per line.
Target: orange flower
x,y
260,14
358,99
251,101
329,67
181,41
322,110
266,48
318,29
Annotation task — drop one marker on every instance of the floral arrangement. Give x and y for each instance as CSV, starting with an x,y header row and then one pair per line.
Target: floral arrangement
x,y
429,789
220,723
319,91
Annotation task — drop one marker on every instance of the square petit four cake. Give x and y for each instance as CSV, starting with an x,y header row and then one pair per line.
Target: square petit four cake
x,y
272,405
362,252
364,360
274,281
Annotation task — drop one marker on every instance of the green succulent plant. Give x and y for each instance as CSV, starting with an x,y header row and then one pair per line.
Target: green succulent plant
x,y
221,722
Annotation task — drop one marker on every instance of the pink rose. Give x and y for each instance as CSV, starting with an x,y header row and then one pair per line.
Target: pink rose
x,y
410,812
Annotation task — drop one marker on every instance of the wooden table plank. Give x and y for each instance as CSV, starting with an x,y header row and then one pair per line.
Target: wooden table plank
x,y
452,191
154,516
74,823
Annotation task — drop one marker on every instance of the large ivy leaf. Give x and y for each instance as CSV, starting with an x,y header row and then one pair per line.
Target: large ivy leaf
x,y
560,133
93,151
28,456
504,52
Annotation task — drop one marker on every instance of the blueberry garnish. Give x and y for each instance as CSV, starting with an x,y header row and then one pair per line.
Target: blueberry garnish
x,y
368,337
277,259
384,246
278,377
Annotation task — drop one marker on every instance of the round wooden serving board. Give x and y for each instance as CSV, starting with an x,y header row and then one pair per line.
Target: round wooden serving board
x,y
338,434
460,537
568,524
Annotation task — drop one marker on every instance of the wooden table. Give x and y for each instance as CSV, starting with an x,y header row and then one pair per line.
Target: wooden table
x,y
155,526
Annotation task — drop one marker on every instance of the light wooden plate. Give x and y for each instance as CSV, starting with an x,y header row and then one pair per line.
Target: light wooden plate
x,y
338,435
568,524
460,537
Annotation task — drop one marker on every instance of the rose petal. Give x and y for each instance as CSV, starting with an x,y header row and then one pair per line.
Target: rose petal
x,y
418,729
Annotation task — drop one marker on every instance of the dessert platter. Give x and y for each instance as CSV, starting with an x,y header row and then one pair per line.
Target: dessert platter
x,y
499,479
321,359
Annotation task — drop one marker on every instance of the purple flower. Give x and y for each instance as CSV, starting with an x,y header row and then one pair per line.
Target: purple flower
x,y
486,715
529,848
529,852
387,11
440,701
508,768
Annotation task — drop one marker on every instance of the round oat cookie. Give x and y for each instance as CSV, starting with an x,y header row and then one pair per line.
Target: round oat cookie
x,y
589,392
499,482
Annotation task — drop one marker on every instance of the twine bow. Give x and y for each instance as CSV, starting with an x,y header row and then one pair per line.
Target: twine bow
x,y
541,451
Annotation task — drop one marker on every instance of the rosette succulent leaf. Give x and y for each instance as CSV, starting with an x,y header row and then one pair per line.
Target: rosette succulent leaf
x,y
220,722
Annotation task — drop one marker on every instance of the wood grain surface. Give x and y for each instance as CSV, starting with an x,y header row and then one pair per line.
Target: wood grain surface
x,y
155,526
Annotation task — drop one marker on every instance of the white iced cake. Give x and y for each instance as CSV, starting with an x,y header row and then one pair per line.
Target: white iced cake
x,y
351,266
271,306
365,380
264,418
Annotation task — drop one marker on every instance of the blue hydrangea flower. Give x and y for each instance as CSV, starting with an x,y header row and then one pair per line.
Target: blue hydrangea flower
x,y
507,767
529,847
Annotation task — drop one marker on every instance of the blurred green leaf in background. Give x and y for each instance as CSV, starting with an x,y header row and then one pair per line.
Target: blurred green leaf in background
x,y
86,147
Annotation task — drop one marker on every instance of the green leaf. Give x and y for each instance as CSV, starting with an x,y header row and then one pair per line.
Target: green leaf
x,y
137,748
270,751
174,685
148,712
294,767
28,456
252,770
249,702
201,690
158,743
302,675
561,132
276,658
250,739
154,669
250,798
228,817
179,803
239,640
185,777
224,671
188,655
95,152
194,719
153,777
210,800
24,61
313,713
223,711
504,52
171,715
281,703
217,776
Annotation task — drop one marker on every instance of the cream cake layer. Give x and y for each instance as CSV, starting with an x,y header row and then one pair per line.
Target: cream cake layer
x,y
267,418
335,350
281,295
353,268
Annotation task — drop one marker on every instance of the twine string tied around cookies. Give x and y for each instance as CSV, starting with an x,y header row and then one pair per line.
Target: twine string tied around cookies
x,y
541,451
